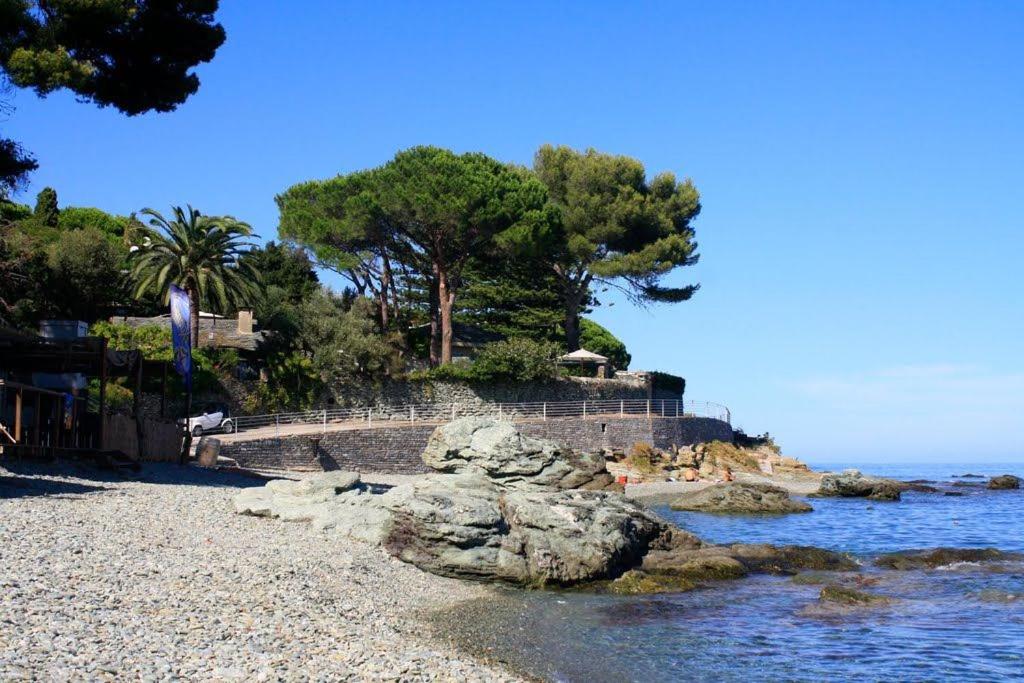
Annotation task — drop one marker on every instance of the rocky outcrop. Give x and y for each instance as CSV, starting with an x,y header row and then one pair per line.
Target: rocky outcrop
x,y
932,558
853,484
741,498
510,459
504,507
1004,482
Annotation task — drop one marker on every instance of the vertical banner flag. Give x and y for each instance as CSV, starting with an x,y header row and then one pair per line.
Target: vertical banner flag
x,y
181,333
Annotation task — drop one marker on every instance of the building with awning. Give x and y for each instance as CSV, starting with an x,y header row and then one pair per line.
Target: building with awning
x,y
586,359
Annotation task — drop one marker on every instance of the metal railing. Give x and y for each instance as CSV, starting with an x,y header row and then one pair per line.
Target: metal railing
x,y
439,413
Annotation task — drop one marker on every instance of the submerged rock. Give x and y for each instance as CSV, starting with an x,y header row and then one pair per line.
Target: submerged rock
x,y
636,582
740,498
931,558
1004,482
853,484
742,558
851,597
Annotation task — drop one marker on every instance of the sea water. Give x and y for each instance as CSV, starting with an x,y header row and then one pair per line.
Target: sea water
x,y
963,621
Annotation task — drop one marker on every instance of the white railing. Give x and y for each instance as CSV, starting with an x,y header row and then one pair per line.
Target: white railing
x,y
439,413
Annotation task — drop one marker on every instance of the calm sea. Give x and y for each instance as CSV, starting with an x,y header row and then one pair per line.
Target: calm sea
x,y
961,622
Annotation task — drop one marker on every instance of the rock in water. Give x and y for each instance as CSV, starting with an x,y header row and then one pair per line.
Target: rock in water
x,y
850,597
1003,482
931,558
511,460
463,526
741,498
853,484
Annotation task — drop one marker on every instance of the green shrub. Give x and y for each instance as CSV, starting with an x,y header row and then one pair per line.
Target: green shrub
x,y
511,360
600,340
666,382
643,458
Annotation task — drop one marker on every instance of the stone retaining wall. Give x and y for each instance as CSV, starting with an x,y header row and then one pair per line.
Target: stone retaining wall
x,y
396,449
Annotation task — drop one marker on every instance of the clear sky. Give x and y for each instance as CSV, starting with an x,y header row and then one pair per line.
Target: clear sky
x,y
861,166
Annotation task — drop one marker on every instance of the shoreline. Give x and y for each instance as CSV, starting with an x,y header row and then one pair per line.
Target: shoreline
x,y
110,577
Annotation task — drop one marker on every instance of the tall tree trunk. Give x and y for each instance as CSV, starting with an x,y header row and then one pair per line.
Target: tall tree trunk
x,y
435,321
193,299
390,288
446,299
572,325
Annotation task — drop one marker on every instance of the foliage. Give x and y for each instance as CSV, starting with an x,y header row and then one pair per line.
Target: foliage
x,y
668,382
154,341
86,274
285,268
413,223
15,166
112,227
512,360
136,55
344,345
46,211
619,229
25,276
643,458
201,254
743,440
292,384
600,340
10,212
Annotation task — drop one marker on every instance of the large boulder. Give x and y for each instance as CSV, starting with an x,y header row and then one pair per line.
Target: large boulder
x,y
510,459
853,484
1003,482
741,498
464,526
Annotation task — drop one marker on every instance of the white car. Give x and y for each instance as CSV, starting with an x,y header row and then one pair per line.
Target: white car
x,y
213,417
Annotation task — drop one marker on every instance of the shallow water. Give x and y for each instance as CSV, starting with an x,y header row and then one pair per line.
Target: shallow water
x,y
963,621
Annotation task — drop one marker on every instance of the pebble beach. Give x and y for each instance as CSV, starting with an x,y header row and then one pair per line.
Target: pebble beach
x,y
151,577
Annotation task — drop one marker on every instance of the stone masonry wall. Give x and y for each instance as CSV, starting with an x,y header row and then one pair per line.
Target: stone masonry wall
x,y
397,448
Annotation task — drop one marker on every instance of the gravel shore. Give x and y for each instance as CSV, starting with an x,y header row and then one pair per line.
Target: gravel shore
x,y
153,578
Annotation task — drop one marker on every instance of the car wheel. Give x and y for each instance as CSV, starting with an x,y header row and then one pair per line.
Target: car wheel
x,y
197,430
228,426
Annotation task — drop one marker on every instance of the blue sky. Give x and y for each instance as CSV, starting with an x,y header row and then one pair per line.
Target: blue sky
x,y
860,163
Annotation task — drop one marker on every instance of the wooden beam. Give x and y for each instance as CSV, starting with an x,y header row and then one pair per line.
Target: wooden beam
x,y
39,416
103,393
17,414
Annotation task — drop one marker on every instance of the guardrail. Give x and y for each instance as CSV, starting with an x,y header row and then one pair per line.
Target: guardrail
x,y
439,413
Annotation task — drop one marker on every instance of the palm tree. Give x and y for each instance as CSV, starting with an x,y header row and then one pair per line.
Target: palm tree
x,y
200,254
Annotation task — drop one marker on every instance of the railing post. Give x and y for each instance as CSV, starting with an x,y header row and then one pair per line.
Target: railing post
x,y
545,411
663,407
369,417
453,411
277,425
499,411
325,421
648,409
412,414
584,410
677,408
622,408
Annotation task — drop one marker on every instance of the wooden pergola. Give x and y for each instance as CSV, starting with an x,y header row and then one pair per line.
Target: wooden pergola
x,y
42,420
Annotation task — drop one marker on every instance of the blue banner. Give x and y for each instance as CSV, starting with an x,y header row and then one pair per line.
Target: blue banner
x,y
181,333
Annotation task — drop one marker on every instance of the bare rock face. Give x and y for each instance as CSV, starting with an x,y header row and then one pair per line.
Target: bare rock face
x,y
1004,482
511,460
741,498
466,527
853,484
299,501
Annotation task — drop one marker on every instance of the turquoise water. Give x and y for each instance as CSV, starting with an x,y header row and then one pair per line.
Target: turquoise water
x,y
963,621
